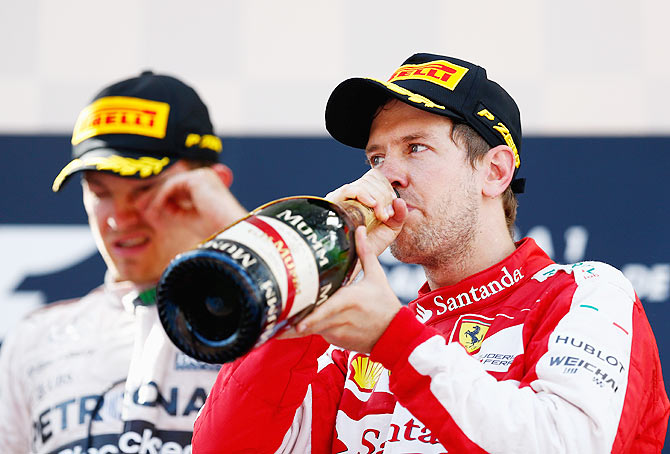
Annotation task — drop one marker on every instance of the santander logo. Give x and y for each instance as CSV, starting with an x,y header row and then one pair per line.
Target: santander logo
x,y
423,315
476,294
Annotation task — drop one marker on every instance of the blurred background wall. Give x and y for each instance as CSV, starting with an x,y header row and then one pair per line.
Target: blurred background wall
x,y
591,78
267,67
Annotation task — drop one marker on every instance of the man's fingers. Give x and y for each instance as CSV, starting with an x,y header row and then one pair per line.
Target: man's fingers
x,y
185,204
372,190
399,214
352,191
383,192
323,314
322,317
172,196
366,194
369,260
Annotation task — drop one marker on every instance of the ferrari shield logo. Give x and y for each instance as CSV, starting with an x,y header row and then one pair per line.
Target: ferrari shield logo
x,y
472,334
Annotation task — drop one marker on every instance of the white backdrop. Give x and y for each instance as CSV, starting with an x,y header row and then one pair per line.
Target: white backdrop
x,y
268,66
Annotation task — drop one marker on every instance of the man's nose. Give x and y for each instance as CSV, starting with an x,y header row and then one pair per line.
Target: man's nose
x,y
124,214
395,171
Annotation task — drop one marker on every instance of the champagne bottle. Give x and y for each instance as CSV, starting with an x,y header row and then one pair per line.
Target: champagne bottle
x,y
264,273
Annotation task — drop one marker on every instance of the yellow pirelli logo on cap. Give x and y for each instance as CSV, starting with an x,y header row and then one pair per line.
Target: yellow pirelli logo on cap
x,y
440,72
504,132
122,115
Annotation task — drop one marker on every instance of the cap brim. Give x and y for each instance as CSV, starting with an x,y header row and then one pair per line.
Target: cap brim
x,y
353,104
124,163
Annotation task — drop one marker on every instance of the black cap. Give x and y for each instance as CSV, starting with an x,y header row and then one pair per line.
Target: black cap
x,y
139,127
438,84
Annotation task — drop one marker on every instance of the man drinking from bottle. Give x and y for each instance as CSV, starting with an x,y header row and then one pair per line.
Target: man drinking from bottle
x,y
502,351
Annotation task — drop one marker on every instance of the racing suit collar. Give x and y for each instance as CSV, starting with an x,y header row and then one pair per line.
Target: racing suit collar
x,y
483,288
131,294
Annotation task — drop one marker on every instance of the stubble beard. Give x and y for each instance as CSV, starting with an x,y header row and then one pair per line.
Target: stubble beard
x,y
444,239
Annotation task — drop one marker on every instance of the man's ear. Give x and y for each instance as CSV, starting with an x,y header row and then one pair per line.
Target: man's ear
x,y
498,170
224,172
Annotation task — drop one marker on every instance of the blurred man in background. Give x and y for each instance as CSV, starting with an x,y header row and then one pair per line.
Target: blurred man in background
x,y
98,371
503,350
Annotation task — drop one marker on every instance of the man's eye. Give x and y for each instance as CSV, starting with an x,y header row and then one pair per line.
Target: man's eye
x,y
100,193
138,191
376,161
415,147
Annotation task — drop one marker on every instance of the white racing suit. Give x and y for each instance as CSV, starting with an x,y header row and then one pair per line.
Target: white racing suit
x,y
98,375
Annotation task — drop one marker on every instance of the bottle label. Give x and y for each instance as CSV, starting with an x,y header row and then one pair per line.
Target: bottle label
x,y
258,271
288,256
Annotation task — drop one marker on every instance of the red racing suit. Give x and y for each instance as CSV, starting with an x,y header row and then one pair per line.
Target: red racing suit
x,y
526,356
98,375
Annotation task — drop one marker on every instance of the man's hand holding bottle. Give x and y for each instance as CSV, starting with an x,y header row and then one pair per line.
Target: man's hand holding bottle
x,y
375,191
357,314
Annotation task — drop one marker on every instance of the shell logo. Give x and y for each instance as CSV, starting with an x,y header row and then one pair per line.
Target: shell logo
x,y
366,373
